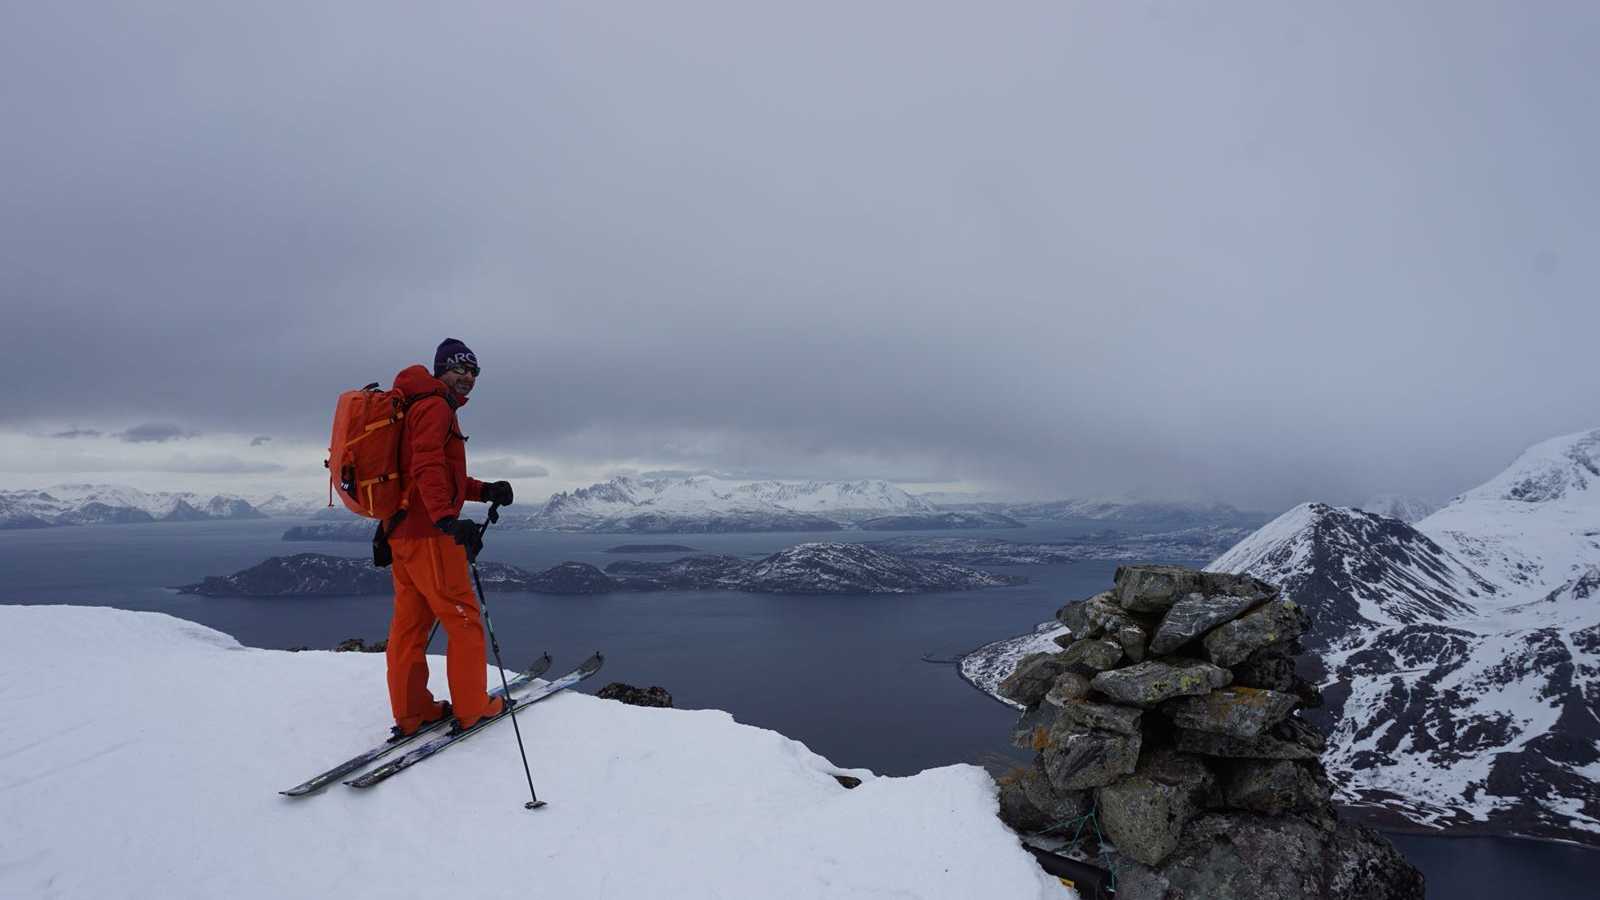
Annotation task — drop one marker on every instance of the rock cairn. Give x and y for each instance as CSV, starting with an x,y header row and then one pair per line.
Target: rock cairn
x,y
1168,721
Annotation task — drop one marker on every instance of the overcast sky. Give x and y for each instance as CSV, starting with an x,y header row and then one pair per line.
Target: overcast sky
x,y
1250,252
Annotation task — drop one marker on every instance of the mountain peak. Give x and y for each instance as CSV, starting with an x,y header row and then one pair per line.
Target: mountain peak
x,y
1387,572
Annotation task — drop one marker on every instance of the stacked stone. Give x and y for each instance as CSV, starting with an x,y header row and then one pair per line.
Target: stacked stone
x,y
1170,713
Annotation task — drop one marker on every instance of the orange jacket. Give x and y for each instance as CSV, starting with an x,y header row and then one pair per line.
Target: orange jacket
x,y
433,455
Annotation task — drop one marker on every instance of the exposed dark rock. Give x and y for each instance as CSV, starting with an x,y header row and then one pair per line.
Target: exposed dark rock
x,y
1032,731
1089,657
1135,641
1027,795
848,782
357,645
1275,787
1067,686
1234,711
1196,614
635,696
690,573
1153,681
1144,814
1236,585
1081,715
572,578
1293,738
1273,668
1075,760
315,574
1153,588
1276,622
1033,677
1244,856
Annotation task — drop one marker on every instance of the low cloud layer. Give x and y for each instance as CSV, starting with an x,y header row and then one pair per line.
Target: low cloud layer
x,y
1250,252
154,433
505,467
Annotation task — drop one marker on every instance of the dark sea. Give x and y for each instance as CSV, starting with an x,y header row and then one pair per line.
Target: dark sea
x,y
844,674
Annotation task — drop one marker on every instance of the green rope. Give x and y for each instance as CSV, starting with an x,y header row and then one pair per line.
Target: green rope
x,y
1077,825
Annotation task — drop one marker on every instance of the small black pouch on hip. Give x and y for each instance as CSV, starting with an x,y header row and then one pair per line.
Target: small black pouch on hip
x,y
381,555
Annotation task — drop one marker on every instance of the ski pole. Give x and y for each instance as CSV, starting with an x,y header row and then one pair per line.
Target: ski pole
x,y
505,690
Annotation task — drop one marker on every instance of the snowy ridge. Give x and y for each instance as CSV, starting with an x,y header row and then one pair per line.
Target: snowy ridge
x,y
705,806
87,504
1363,569
703,504
1534,526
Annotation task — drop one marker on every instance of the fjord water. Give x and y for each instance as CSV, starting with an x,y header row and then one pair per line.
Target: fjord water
x,y
844,674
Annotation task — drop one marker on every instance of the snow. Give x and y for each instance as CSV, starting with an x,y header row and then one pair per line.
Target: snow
x,y
1533,527
704,496
144,755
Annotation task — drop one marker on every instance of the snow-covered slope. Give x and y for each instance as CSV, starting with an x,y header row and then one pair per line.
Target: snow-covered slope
x,y
701,504
160,782
88,504
1533,527
839,498
1461,657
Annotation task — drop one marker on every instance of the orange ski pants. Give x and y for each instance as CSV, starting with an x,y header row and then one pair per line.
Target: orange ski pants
x,y
431,581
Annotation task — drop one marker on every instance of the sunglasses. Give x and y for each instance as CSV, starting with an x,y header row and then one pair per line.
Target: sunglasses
x,y
465,370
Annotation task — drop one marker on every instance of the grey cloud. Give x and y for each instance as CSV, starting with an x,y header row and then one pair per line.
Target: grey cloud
x,y
154,433
506,467
76,433
214,464
1064,249
258,441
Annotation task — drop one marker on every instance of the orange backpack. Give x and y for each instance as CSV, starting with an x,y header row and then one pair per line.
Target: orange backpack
x,y
364,456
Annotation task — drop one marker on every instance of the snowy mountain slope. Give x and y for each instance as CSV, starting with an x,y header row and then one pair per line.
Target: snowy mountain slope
x,y
280,506
87,504
701,504
1534,526
1362,570
1456,696
846,498
154,785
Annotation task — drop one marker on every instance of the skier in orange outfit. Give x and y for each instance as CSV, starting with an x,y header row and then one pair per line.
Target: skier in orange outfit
x,y
431,545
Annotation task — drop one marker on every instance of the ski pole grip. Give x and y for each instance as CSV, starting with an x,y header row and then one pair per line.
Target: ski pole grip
x,y
493,516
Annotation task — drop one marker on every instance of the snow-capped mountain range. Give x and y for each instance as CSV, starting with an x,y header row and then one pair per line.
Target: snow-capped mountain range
x,y
1461,655
89,504
702,504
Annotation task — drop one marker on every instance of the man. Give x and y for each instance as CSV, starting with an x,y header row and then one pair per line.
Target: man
x,y
431,545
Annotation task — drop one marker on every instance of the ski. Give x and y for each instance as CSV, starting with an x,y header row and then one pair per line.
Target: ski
x,y
362,760
434,745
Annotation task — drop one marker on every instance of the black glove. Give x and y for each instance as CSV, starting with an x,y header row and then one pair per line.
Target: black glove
x,y
497,492
466,532
382,556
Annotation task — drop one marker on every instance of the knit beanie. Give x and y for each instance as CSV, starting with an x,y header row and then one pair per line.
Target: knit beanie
x,y
452,353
